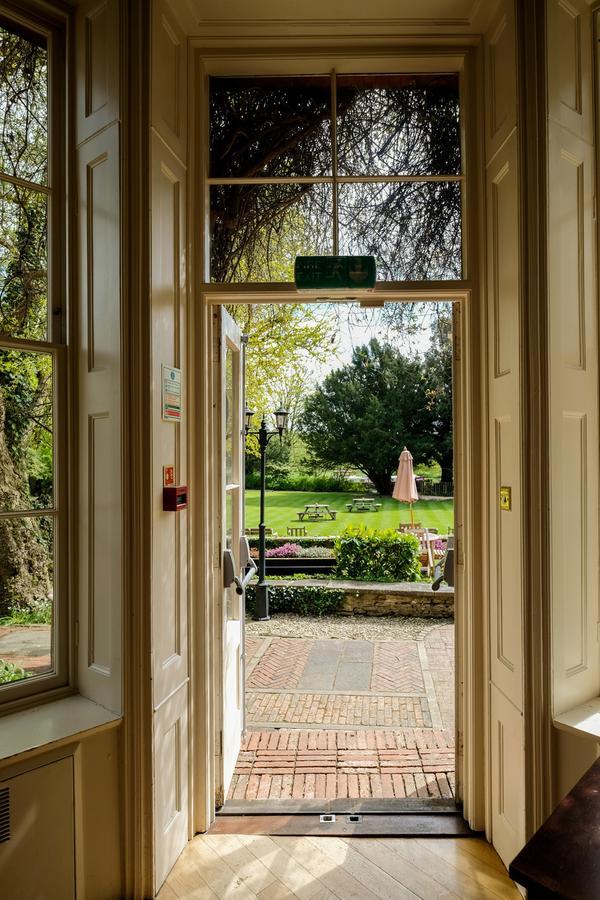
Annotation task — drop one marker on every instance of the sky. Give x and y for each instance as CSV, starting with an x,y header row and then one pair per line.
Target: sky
x,y
356,327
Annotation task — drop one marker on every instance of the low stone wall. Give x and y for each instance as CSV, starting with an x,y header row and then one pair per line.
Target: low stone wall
x,y
361,599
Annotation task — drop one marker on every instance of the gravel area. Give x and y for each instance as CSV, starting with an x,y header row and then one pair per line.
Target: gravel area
x,y
360,628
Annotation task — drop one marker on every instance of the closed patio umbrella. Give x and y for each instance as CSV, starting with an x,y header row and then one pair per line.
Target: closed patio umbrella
x,y
405,489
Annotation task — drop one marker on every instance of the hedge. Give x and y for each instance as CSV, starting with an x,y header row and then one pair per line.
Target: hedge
x,y
366,554
305,600
306,541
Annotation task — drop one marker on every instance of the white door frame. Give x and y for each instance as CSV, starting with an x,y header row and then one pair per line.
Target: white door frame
x,y
471,651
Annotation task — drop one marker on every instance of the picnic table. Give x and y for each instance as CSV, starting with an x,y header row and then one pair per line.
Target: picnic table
x,y
316,511
362,504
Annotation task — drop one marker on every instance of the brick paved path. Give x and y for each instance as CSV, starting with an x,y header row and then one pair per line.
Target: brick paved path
x,y
397,697
319,765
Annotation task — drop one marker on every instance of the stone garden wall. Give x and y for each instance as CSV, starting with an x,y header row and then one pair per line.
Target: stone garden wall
x,y
393,599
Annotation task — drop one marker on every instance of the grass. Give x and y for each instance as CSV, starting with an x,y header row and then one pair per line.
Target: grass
x,y
282,506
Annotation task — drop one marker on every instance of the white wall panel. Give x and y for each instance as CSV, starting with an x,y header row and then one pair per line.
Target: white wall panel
x,y
169,601
508,777
574,455
169,79
169,540
570,93
500,79
170,781
99,380
97,57
506,601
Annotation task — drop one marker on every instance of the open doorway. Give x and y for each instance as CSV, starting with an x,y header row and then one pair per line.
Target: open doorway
x,y
348,688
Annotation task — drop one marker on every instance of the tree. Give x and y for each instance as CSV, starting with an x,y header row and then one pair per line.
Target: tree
x,y
437,365
26,378
365,413
284,342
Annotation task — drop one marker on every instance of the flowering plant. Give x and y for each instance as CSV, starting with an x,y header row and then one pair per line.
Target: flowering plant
x,y
286,550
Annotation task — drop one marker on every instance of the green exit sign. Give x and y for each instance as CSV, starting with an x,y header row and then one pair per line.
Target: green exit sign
x,y
334,272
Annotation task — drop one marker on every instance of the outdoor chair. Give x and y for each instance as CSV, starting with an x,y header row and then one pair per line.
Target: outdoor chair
x,y
297,531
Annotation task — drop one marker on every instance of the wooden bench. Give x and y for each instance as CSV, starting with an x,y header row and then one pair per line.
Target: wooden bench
x,y
297,531
254,532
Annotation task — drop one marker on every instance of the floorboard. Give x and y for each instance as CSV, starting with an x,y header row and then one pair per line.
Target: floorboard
x,y
321,868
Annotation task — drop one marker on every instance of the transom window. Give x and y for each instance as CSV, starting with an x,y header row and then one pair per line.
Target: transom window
x,y
350,164
32,376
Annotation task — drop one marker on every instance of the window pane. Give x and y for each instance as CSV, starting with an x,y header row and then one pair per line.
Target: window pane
x,y
26,598
270,127
258,230
26,426
398,125
412,228
23,107
23,262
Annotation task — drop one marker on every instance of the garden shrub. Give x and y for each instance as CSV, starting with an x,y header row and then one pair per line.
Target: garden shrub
x,y
288,481
11,672
304,600
317,552
33,612
366,554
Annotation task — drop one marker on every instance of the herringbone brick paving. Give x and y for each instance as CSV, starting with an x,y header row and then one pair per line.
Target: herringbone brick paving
x,y
396,667
281,665
394,738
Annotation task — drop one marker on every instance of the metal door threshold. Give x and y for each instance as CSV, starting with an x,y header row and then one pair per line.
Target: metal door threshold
x,y
346,825
371,805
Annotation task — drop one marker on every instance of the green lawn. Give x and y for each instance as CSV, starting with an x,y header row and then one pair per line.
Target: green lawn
x,y
282,506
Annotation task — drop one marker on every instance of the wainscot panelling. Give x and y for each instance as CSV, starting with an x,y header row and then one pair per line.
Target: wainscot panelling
x,y
500,80
169,79
570,94
99,378
506,582
169,535
506,754
97,64
574,455
508,781
170,781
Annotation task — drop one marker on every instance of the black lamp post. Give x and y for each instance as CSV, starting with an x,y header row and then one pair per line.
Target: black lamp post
x,y
261,612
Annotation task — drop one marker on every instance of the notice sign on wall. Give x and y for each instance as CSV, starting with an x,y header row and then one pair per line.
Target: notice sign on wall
x,y
171,394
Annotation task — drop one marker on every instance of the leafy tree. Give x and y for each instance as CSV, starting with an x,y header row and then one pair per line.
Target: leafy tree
x,y
284,342
25,377
365,413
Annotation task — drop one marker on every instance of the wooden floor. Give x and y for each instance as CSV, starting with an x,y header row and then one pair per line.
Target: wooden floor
x,y
244,866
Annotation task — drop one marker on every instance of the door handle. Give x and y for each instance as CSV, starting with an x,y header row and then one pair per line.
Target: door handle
x,y
247,564
248,567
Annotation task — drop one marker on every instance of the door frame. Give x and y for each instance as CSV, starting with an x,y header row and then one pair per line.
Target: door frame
x,y
470,425
471,650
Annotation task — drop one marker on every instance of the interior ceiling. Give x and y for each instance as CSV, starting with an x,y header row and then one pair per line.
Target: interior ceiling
x,y
425,14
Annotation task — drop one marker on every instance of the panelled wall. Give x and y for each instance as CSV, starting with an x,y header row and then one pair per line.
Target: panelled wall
x,y
573,367
98,339
170,657
506,755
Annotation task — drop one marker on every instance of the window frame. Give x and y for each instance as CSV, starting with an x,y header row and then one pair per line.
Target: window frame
x,y
334,179
54,33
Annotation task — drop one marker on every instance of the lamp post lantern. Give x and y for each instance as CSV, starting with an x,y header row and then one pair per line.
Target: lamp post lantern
x,y
261,612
